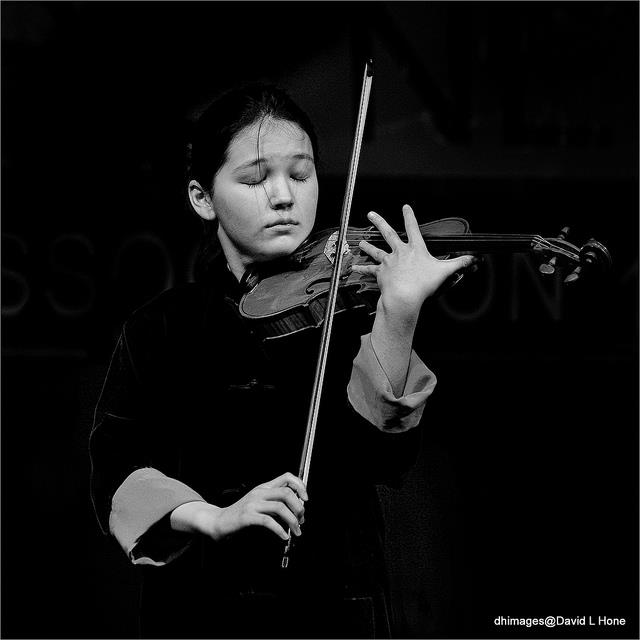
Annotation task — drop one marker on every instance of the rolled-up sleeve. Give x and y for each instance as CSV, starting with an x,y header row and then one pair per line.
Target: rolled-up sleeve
x,y
133,499
370,393
141,505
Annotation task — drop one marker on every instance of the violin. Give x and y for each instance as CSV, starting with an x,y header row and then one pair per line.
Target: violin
x,y
290,295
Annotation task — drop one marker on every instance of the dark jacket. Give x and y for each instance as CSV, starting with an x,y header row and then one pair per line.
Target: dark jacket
x,y
195,406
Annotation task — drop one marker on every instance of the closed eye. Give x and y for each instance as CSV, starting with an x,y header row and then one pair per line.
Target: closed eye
x,y
255,183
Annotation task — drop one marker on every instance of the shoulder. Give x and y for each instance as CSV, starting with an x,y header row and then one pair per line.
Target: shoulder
x,y
181,299
169,314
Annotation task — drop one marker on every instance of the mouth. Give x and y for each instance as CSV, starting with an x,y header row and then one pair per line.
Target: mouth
x,y
283,222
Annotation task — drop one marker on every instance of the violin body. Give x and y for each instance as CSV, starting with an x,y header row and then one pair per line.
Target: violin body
x,y
291,295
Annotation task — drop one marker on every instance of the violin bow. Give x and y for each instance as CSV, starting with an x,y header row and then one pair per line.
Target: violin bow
x,y
314,407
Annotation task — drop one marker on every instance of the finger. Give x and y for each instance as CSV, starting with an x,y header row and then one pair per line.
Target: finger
x,y
456,264
289,480
387,231
263,520
414,236
375,252
365,269
288,496
285,514
465,260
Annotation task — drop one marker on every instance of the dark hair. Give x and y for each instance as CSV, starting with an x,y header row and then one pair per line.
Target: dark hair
x,y
213,133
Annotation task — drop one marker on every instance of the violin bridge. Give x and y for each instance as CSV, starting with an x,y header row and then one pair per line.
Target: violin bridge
x,y
330,247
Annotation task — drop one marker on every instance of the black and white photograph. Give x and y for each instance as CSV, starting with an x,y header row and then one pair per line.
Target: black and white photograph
x,y
320,319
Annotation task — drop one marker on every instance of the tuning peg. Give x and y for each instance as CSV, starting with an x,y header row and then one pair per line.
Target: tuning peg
x,y
550,267
574,275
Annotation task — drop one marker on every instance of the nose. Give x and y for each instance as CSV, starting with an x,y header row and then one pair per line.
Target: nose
x,y
281,195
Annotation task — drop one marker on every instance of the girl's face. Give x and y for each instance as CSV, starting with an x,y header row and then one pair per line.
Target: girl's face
x,y
265,195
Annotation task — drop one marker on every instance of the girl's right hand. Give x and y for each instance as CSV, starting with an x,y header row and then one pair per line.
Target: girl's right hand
x,y
272,504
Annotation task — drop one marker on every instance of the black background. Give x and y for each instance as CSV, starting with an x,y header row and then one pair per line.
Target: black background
x,y
520,117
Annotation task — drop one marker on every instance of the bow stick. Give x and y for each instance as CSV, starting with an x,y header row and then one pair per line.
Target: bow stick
x,y
305,461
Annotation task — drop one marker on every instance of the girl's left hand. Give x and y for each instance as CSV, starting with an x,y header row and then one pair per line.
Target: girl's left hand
x,y
409,274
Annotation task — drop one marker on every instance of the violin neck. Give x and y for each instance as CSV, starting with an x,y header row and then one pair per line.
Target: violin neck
x,y
484,243
477,243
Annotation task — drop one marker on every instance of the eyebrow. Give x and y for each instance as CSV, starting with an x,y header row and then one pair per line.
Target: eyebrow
x,y
257,161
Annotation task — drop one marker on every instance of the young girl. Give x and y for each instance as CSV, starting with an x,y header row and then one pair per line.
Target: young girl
x,y
200,424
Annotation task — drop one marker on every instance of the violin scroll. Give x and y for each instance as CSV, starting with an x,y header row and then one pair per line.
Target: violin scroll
x,y
591,257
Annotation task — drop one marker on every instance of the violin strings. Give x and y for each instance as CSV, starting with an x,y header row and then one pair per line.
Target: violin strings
x,y
532,241
458,239
468,239
458,236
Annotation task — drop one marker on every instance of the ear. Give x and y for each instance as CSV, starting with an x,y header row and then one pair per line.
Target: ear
x,y
201,201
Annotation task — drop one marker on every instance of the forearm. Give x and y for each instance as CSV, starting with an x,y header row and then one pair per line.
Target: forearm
x,y
195,517
407,276
392,339
275,504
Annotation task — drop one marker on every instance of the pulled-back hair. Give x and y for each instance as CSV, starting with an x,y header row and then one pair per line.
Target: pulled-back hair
x,y
215,130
